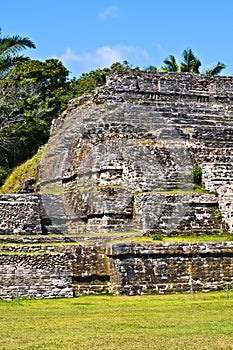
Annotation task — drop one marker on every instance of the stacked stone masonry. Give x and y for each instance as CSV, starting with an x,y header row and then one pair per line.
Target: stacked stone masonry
x,y
122,269
20,214
35,275
169,214
141,133
162,268
122,160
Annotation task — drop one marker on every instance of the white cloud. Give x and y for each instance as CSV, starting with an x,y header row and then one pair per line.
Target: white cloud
x,y
109,12
104,56
70,56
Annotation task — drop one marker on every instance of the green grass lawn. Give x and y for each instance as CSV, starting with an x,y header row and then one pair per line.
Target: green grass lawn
x,y
199,321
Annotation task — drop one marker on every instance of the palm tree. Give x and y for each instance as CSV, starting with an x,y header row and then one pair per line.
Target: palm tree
x,y
170,64
190,62
215,70
9,48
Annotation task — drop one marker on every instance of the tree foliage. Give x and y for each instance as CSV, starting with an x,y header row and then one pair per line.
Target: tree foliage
x,y
151,68
9,48
33,93
170,64
190,63
216,69
95,78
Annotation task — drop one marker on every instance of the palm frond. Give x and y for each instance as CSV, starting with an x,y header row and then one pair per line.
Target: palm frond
x,y
215,70
9,47
190,62
171,64
196,65
14,44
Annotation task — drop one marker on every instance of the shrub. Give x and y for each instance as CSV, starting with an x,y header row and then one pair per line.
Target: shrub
x,y
197,175
157,237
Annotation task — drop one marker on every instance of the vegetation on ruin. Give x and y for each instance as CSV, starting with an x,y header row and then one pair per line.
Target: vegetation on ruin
x,y
158,237
20,173
107,237
192,189
191,238
185,321
196,174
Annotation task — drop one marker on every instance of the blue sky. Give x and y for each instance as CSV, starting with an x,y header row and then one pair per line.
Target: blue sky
x,y
93,34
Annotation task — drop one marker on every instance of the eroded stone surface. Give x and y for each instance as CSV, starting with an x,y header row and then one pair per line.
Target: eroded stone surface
x,y
35,276
161,268
122,269
110,155
143,135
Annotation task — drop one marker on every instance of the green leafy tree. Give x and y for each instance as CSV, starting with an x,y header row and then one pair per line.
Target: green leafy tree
x,y
9,49
33,94
95,78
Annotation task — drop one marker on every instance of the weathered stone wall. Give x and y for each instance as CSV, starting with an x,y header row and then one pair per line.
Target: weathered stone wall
x,y
20,214
112,162
122,269
47,271
172,214
35,275
52,214
90,268
32,214
150,86
111,208
160,268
